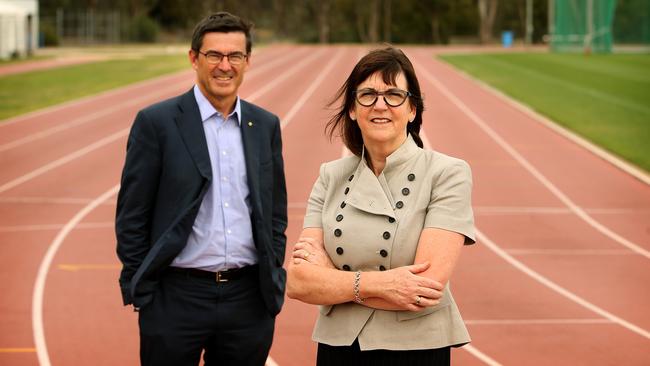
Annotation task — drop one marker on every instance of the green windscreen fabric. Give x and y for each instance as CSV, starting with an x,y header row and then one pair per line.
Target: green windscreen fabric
x,y
582,25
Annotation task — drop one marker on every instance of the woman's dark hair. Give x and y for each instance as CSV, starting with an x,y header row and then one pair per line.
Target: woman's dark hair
x,y
222,22
390,62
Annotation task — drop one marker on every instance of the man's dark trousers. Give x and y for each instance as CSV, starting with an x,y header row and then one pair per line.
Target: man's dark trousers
x,y
191,313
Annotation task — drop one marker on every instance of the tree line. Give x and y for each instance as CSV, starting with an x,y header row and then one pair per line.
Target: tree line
x,y
336,21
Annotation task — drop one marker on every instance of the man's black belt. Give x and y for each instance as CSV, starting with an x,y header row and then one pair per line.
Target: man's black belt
x,y
221,276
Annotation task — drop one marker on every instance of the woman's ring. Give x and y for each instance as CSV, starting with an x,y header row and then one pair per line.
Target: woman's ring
x,y
417,300
307,255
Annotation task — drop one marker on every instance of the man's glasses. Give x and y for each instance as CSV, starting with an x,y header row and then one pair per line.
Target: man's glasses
x,y
235,58
392,97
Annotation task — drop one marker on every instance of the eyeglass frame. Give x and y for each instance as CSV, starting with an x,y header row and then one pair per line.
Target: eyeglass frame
x,y
383,95
222,55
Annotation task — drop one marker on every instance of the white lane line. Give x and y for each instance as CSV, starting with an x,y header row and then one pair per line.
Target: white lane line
x,y
50,200
130,102
577,321
45,227
480,355
294,69
569,252
529,167
63,160
43,269
514,210
559,289
566,133
310,90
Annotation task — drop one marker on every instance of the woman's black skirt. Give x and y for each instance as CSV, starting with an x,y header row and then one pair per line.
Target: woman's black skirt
x,y
353,356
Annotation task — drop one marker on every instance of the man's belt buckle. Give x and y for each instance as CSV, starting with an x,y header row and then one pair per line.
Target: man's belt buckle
x,y
221,278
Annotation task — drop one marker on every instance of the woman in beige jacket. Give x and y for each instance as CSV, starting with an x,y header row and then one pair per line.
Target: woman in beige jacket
x,y
384,229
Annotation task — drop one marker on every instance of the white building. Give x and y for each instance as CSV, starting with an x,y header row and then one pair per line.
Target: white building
x,y
18,27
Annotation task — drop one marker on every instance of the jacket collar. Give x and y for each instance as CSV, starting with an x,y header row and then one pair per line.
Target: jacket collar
x,y
404,153
190,127
371,193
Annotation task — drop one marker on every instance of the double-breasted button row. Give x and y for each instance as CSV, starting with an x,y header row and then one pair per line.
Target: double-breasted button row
x,y
383,253
405,192
339,251
386,235
339,217
346,267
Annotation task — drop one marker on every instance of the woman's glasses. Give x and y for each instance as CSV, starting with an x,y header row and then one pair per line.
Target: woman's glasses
x,y
393,97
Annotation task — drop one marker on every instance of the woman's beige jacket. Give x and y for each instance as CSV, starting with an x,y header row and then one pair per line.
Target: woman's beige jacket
x,y
373,223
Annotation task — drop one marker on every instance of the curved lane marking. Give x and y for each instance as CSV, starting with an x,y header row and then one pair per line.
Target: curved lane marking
x,y
480,355
577,210
43,269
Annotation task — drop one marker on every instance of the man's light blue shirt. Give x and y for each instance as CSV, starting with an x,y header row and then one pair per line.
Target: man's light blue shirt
x,y
222,234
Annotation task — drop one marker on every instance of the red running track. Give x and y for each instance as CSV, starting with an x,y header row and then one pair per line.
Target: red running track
x,y
559,274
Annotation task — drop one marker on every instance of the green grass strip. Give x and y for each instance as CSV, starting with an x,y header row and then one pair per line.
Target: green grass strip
x,y
25,92
604,98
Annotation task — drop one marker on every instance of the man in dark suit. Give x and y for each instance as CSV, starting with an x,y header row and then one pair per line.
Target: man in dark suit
x,y
202,211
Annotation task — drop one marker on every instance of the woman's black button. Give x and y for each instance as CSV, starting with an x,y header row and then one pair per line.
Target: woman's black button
x,y
339,217
346,267
411,177
406,191
383,253
343,204
386,235
347,189
391,220
339,250
351,177
399,204
337,232
382,268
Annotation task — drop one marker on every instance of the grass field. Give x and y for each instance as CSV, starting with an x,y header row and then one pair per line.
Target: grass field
x,y
21,93
604,98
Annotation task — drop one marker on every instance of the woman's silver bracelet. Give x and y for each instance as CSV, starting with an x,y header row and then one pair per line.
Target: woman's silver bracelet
x,y
357,279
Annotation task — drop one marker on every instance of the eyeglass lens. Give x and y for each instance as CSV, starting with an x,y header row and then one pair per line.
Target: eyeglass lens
x,y
392,97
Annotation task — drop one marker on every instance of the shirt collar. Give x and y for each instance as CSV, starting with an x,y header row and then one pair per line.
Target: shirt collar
x,y
207,109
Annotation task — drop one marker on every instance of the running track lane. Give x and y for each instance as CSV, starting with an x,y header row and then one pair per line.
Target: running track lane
x,y
513,317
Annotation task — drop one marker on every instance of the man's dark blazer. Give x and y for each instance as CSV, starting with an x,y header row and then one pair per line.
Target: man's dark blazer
x,y
166,175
